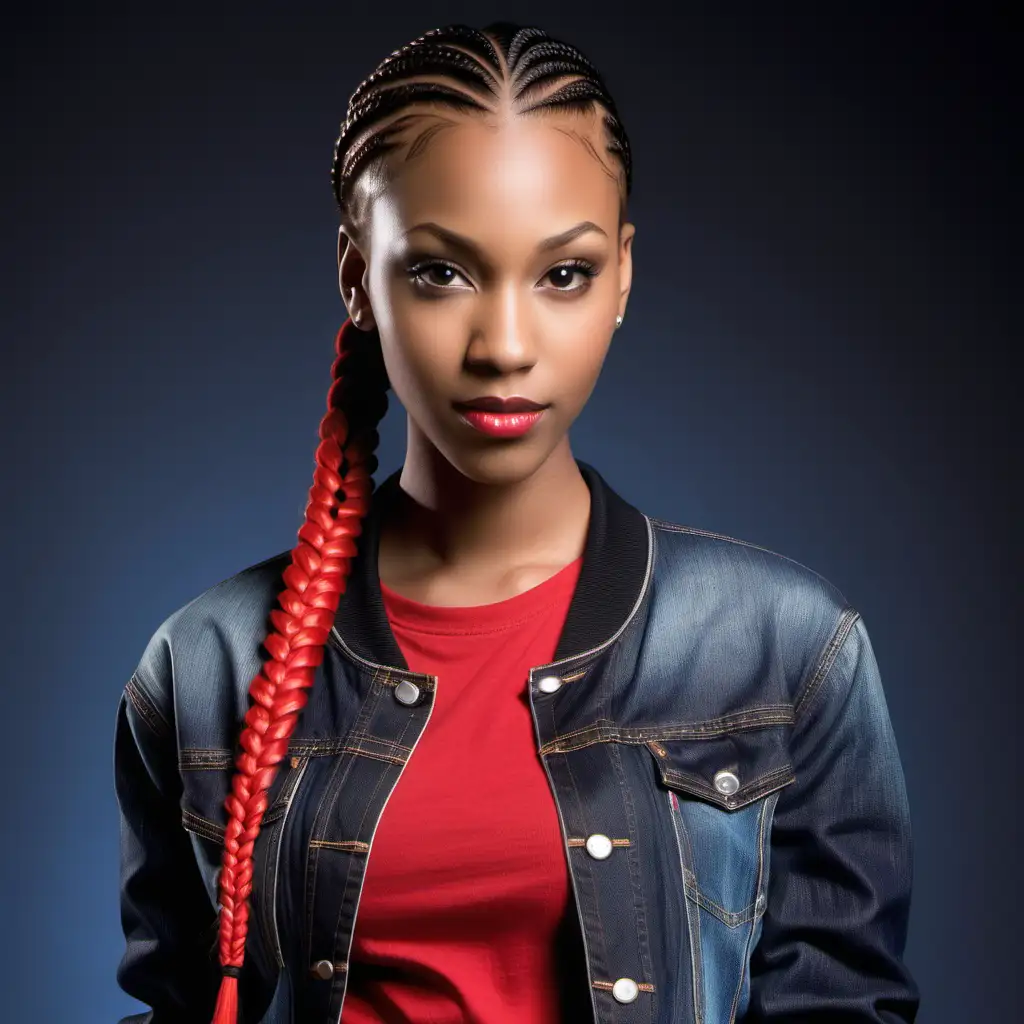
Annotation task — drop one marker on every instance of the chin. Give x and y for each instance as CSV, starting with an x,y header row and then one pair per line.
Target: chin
x,y
498,463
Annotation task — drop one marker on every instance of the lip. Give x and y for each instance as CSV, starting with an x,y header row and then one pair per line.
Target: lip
x,y
501,424
494,403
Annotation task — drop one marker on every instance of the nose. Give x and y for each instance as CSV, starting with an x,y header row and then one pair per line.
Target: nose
x,y
500,338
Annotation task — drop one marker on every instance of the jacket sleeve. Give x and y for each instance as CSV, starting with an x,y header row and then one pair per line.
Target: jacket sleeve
x,y
170,962
835,925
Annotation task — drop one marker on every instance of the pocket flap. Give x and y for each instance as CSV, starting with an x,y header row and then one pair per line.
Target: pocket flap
x,y
730,770
207,775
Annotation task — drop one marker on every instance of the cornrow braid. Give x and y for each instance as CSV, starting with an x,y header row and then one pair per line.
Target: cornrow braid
x,y
465,70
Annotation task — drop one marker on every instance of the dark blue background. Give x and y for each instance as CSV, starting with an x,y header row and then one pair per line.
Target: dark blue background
x,y
816,357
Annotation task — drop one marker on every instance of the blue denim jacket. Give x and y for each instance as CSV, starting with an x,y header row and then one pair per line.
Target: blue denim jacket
x,y
714,709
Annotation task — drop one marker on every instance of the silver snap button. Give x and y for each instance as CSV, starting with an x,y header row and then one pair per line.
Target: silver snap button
x,y
625,990
598,846
406,692
549,684
323,969
726,783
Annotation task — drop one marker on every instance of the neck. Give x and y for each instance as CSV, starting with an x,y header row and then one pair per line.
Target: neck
x,y
484,532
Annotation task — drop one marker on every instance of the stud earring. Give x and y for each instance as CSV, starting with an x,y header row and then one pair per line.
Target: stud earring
x,y
618,321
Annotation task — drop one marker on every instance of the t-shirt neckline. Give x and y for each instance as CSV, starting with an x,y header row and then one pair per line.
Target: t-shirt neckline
x,y
480,618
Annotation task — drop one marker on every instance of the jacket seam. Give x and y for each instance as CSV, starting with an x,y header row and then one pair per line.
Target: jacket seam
x,y
745,963
193,759
827,658
730,918
697,531
605,731
201,826
767,714
692,913
145,706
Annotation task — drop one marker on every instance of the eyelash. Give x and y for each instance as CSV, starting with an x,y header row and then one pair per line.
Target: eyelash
x,y
582,266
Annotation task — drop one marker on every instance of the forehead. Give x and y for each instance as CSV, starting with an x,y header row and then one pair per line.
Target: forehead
x,y
518,177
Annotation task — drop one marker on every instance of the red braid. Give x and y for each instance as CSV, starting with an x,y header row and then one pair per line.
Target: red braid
x,y
315,580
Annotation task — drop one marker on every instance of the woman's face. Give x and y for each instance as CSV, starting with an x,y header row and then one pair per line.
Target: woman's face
x,y
473,293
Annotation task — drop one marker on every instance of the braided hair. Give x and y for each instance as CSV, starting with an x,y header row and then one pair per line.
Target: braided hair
x,y
469,71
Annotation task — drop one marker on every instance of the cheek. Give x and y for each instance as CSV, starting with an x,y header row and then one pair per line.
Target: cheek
x,y
420,367
579,364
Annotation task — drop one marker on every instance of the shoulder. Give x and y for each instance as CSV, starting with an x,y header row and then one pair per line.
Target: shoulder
x,y
699,552
775,616
199,662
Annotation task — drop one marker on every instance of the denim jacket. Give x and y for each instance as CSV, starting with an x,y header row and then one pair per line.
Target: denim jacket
x,y
713,708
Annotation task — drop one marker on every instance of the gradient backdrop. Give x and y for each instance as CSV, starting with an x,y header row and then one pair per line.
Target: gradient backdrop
x,y
816,357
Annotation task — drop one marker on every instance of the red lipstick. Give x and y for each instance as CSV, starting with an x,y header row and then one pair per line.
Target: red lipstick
x,y
501,417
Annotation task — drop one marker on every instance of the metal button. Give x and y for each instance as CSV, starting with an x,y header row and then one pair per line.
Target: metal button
x,y
549,684
625,990
406,692
323,969
726,783
598,846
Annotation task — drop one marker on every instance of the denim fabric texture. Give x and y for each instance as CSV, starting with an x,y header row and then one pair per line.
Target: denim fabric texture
x,y
720,719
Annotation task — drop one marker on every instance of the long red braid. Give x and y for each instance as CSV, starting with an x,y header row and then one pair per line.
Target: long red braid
x,y
315,580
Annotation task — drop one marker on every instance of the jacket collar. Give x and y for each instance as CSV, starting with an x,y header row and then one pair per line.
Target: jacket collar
x,y
615,569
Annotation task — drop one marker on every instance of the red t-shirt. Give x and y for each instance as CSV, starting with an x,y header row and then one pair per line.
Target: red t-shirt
x,y
466,913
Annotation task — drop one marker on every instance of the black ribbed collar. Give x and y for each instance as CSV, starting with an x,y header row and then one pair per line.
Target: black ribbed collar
x,y
614,568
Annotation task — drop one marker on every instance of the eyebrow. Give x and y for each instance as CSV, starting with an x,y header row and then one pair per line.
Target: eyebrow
x,y
457,241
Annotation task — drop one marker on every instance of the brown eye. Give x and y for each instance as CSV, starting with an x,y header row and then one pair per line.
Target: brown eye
x,y
443,274
563,274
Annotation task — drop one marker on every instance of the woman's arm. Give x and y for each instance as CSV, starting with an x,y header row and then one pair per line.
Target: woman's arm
x,y
168,921
841,857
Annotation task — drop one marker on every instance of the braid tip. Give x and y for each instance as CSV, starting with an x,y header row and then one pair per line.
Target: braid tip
x,y
226,1011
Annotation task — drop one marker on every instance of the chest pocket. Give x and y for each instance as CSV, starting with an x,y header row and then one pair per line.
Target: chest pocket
x,y
721,793
206,778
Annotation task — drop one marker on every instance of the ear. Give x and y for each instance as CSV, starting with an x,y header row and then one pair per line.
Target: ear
x,y
351,274
625,264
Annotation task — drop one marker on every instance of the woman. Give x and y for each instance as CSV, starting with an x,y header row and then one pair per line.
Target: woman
x,y
647,771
